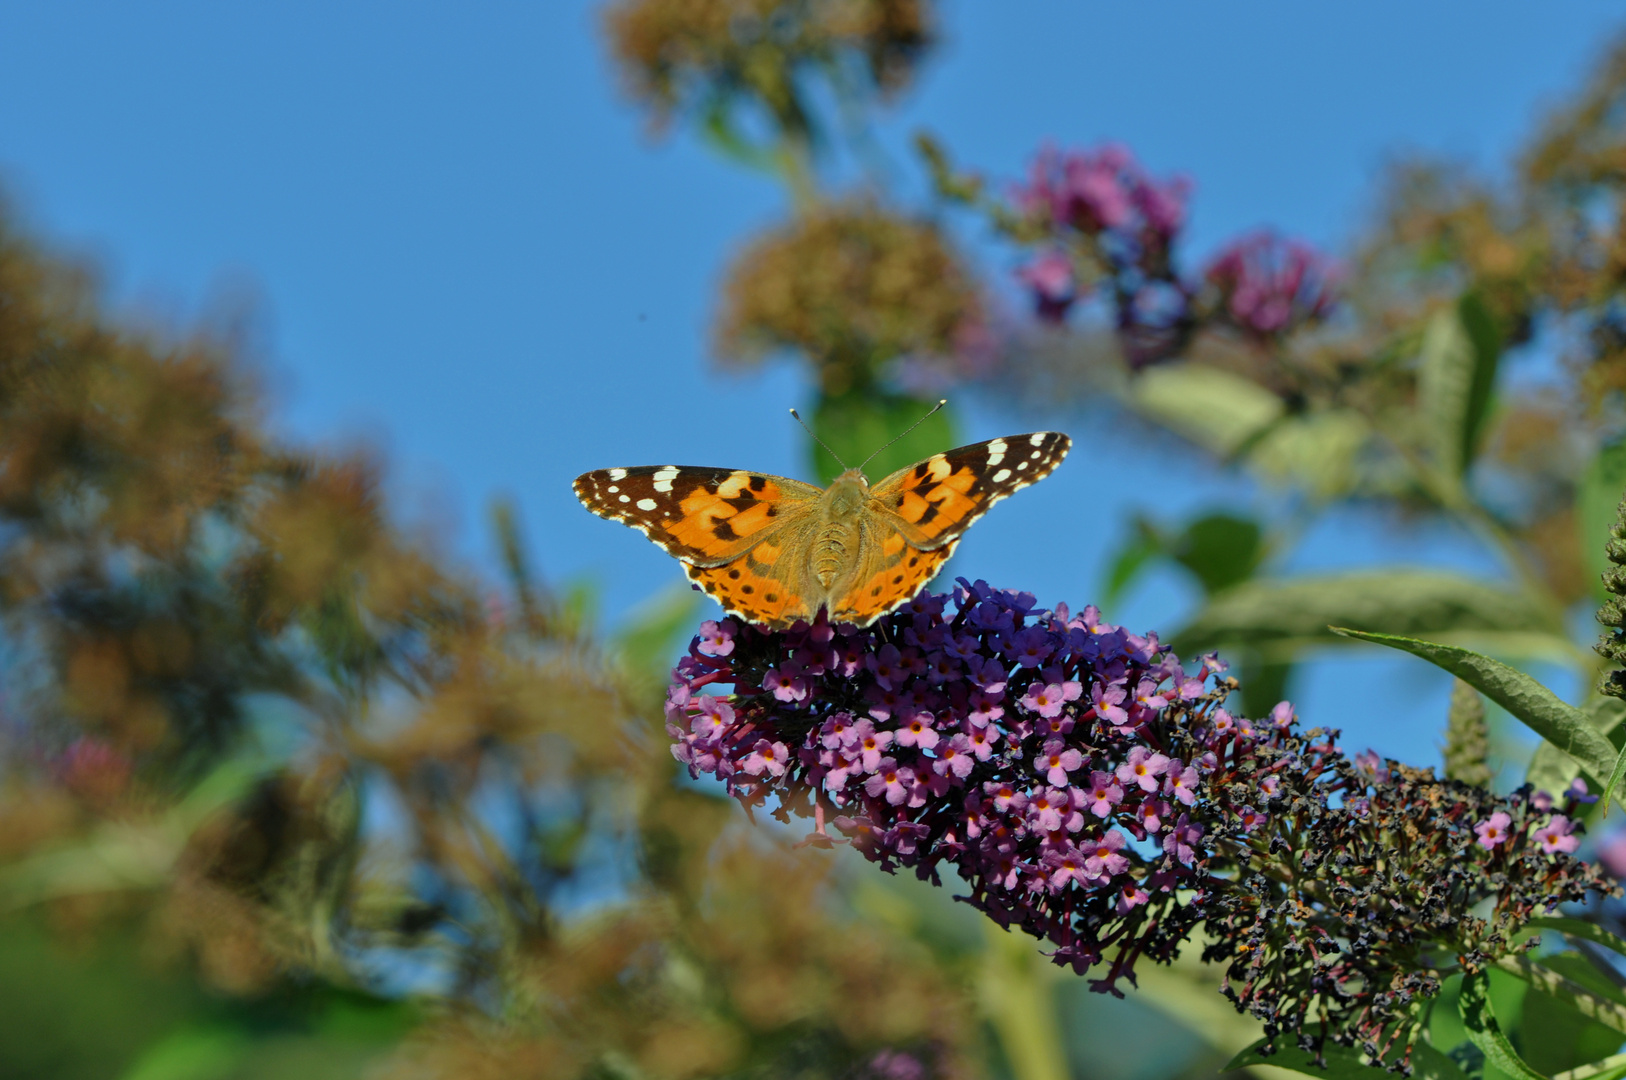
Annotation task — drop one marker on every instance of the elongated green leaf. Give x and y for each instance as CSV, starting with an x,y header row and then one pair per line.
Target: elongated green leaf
x,y
1486,1033
1343,1063
1215,409
1596,502
1445,375
1543,711
1552,770
1610,1068
1296,612
1615,776
1456,374
1580,928
1592,1006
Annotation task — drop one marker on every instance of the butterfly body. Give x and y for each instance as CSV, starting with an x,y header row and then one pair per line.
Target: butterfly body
x,y
774,550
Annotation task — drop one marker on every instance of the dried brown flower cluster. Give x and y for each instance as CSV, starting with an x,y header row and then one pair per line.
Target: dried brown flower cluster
x,y
852,287
680,53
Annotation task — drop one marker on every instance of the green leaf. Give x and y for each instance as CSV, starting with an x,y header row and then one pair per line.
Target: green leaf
x,y
1615,776
1222,550
859,424
1543,711
1343,1063
1580,928
1610,1068
1215,409
1597,500
1294,612
1488,342
1145,544
1455,376
1486,1033
1552,770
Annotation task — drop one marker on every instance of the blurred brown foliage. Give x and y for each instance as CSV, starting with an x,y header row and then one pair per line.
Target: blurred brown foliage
x,y
277,740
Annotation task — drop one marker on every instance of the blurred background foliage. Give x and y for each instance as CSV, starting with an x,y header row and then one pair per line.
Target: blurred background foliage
x,y
286,792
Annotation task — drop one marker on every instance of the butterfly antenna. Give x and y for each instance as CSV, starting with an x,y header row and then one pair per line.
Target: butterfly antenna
x,y
798,417
911,427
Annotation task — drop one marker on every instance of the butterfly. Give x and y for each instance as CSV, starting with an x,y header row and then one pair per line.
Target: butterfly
x,y
773,551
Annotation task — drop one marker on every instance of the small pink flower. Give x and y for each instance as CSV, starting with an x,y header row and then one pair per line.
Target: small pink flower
x,y
1493,831
1555,836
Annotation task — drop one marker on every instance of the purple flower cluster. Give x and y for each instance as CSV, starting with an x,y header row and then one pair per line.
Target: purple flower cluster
x,y
1269,286
1053,760
1088,788
1099,214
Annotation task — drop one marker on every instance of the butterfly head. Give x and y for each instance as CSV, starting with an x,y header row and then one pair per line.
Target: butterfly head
x,y
848,493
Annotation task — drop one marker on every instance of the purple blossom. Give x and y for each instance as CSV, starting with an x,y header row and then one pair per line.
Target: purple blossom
x,y
1106,701
716,638
1283,716
1056,760
1143,768
1555,836
1103,795
1493,830
1268,286
1048,699
1578,791
766,757
1181,841
784,683
1180,782
1053,283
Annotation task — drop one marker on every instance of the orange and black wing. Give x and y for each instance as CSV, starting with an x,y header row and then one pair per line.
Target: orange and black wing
x,y
933,503
704,516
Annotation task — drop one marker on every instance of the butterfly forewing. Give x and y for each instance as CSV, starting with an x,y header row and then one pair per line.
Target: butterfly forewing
x,y
936,500
703,516
748,539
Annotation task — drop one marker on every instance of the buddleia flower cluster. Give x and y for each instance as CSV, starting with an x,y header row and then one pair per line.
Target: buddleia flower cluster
x,y
1087,787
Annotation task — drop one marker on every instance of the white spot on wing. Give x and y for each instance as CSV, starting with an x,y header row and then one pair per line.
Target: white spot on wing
x,y
646,504
663,485
1037,439
1021,465
612,489
626,498
1002,475
996,452
618,474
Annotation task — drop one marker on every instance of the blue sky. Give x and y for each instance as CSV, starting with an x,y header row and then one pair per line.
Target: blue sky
x,y
467,248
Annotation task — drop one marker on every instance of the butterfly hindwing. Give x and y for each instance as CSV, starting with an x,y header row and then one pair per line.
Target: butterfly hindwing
x,y
704,516
936,500
889,581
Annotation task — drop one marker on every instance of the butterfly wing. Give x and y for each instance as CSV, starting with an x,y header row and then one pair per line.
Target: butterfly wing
x,y
922,511
706,517
933,503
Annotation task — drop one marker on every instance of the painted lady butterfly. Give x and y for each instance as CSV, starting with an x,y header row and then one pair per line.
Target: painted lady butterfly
x,y
774,550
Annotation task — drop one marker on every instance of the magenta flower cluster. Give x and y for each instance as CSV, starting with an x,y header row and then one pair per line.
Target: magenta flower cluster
x,y
1269,286
1087,787
1099,215
1030,750
1099,222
